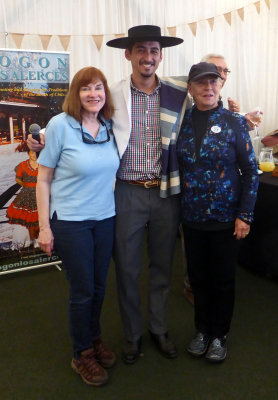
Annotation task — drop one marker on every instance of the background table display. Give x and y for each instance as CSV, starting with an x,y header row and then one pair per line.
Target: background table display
x,y
259,251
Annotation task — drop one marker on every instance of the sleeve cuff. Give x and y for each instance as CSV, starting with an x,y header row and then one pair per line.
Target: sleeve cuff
x,y
246,217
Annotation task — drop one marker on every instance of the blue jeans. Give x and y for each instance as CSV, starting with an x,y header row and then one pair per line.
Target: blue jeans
x,y
85,248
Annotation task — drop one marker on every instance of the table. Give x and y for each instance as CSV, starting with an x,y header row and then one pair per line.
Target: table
x,y
259,251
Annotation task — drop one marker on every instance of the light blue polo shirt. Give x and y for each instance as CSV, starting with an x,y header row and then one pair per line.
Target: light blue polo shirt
x,y
84,176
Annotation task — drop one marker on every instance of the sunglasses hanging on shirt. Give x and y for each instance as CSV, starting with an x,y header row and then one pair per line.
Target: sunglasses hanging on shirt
x,y
91,140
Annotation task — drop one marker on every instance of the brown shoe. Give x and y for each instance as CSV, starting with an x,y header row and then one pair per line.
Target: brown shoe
x,y
104,356
89,369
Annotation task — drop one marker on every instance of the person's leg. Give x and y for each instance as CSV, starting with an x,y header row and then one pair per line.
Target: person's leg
x,y
198,261
103,236
74,243
33,232
132,214
224,251
162,235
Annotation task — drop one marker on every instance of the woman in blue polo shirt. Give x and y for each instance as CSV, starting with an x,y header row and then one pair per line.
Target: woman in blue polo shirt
x,y
75,197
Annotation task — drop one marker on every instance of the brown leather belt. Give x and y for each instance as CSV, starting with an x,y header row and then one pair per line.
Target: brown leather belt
x,y
146,184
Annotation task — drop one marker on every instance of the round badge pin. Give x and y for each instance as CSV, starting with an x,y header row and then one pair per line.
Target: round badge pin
x,y
215,129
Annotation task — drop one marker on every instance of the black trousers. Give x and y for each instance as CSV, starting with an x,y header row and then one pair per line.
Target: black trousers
x,y
211,262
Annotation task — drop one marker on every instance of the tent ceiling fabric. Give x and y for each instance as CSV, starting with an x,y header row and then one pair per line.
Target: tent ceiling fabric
x,y
244,31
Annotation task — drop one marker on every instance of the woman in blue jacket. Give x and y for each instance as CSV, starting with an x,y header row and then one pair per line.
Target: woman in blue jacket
x,y
219,184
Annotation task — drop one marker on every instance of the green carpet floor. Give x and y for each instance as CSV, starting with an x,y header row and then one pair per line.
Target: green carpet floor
x,y
35,348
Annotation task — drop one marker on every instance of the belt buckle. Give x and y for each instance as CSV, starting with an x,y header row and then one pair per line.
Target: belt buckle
x,y
146,184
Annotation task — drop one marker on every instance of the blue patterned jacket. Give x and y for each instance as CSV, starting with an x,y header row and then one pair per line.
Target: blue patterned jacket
x,y
212,186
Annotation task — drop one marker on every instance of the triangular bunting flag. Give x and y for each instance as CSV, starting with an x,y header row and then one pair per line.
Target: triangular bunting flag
x,y
17,37
172,31
119,35
193,27
45,39
98,40
65,39
258,5
211,22
241,13
228,17
267,2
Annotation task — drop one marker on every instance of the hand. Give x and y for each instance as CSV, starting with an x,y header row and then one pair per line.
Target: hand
x,y
46,240
241,229
233,105
254,118
34,145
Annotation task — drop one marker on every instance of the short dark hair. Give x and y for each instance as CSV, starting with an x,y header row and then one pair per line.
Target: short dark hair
x,y
72,104
130,46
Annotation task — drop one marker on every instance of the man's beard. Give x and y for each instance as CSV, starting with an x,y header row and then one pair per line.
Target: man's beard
x,y
146,75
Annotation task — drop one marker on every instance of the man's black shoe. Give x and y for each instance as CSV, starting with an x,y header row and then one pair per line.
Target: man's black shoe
x,y
164,345
132,351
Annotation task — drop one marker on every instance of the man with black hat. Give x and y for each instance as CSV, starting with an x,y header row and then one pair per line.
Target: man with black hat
x,y
146,123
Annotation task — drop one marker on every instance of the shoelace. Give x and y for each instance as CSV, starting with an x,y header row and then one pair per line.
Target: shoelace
x,y
217,343
90,363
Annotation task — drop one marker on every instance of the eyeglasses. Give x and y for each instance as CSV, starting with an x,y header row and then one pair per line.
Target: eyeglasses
x,y
91,140
225,71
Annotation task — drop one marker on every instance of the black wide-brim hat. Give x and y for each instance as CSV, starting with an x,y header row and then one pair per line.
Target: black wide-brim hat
x,y
144,33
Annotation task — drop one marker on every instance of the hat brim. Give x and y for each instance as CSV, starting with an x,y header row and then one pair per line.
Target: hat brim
x,y
195,78
165,41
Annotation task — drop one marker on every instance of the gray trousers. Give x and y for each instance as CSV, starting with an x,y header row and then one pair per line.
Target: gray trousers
x,y
136,208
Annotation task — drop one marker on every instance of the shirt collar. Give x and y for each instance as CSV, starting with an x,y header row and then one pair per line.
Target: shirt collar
x,y
136,90
76,124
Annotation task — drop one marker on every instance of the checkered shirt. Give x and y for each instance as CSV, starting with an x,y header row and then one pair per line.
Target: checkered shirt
x,y
142,158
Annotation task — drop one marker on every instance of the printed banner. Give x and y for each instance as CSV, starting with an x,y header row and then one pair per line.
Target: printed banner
x,y
33,85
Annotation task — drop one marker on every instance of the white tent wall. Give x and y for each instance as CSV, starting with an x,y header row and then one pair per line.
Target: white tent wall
x,y
249,45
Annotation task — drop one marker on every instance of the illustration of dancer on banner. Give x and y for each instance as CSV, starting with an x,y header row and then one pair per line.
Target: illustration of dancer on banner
x,y
23,210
